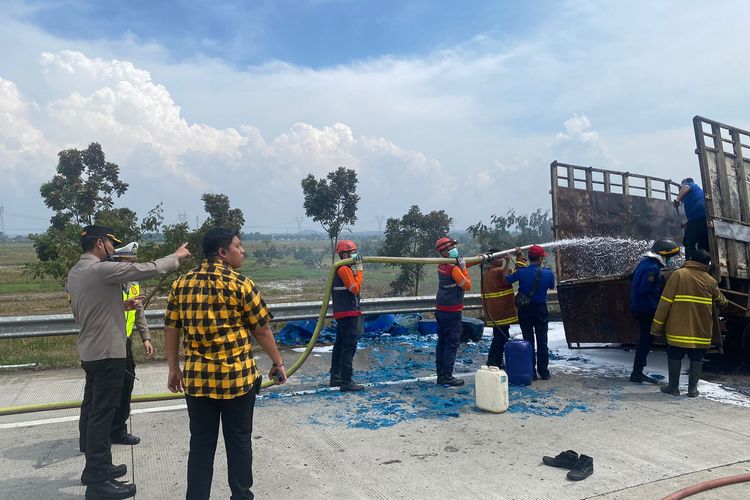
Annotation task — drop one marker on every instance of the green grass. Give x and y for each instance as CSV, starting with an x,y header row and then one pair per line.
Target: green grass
x,y
274,283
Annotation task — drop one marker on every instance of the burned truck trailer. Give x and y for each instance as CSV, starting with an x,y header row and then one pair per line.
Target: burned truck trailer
x,y
632,208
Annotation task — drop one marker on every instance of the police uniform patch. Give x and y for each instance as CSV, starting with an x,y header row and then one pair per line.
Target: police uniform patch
x,y
651,277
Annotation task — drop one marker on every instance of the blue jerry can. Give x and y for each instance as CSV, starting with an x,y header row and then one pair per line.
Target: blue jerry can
x,y
518,364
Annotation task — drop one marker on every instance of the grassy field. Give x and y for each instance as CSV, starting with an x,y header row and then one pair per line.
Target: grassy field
x,y
285,280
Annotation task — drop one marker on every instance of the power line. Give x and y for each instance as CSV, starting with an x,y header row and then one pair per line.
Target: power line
x,y
380,222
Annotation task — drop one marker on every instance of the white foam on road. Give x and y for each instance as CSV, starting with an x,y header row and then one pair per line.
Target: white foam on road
x,y
616,362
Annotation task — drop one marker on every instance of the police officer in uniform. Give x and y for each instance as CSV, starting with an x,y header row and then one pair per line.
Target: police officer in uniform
x,y
645,290
95,284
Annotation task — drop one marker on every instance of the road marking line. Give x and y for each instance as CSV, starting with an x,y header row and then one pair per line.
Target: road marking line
x,y
158,409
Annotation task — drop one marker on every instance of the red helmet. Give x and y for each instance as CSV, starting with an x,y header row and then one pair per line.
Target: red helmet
x,y
537,251
345,246
444,243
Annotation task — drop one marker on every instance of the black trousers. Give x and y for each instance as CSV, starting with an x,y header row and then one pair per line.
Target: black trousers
x,y
695,236
449,337
534,322
101,397
236,417
500,336
348,331
120,422
693,354
645,341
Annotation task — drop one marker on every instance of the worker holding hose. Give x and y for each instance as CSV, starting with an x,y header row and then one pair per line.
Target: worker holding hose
x,y
498,304
346,288
453,282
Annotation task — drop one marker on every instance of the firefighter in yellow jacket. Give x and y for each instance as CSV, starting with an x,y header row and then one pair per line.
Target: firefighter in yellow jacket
x,y
685,316
498,303
134,319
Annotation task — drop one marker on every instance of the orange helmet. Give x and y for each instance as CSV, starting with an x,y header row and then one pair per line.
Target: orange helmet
x,y
444,243
345,246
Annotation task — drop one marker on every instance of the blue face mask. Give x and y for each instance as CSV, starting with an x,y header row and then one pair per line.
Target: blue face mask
x,y
453,253
353,255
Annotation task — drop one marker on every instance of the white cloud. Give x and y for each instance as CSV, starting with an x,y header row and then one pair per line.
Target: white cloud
x,y
579,139
20,141
470,128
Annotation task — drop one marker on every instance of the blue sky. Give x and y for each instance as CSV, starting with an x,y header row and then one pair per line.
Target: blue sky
x,y
308,33
448,105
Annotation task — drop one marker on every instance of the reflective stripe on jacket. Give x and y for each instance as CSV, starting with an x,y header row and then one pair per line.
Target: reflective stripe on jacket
x,y
345,303
133,291
498,298
685,312
450,296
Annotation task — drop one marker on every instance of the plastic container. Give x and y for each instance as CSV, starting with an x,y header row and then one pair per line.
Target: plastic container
x,y
471,329
491,386
379,324
427,327
518,362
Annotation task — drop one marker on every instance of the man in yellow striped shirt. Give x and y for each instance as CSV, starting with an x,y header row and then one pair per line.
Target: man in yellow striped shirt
x,y
685,316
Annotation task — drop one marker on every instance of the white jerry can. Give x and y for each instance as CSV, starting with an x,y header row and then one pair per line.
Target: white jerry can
x,y
491,386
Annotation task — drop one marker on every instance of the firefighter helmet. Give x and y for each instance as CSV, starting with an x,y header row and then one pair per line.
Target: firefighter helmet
x,y
666,247
345,246
444,243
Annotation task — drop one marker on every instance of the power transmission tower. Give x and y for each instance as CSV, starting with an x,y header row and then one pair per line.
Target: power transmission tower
x,y
2,223
380,219
299,220
182,218
196,223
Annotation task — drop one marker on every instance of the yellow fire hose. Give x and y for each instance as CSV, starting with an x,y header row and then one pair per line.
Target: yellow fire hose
x,y
142,398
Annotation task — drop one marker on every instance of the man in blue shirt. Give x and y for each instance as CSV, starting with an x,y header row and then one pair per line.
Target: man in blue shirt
x,y
533,282
645,290
696,230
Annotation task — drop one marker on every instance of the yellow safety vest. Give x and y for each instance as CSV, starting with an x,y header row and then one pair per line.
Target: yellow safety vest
x,y
135,290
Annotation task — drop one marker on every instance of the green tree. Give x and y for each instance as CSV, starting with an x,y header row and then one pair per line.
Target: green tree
x,y
332,202
512,230
82,192
219,212
413,235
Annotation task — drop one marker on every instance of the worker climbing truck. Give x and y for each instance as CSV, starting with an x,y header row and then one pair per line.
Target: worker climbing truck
x,y
629,210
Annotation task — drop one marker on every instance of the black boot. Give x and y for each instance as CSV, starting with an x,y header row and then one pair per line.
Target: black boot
x,y
351,387
639,377
125,438
335,379
450,381
109,490
695,374
114,472
673,365
564,459
583,468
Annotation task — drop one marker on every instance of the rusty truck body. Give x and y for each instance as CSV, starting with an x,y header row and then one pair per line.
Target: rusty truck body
x,y
590,202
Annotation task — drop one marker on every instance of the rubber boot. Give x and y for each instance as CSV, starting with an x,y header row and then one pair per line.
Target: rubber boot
x,y
695,374
673,365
